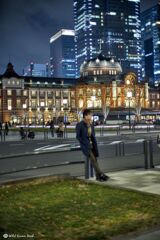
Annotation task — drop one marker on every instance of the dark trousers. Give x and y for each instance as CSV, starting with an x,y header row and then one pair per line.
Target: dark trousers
x,y
94,162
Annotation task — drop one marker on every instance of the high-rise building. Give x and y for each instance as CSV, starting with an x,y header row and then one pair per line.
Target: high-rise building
x,y
150,20
62,54
111,26
37,70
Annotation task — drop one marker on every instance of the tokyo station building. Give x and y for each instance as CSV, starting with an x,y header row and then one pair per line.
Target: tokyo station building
x,y
102,87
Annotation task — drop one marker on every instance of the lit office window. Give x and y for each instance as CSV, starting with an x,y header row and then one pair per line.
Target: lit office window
x,y
34,103
9,103
25,93
9,92
18,103
33,93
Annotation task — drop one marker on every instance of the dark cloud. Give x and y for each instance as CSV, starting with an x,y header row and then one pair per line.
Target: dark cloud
x,y
27,25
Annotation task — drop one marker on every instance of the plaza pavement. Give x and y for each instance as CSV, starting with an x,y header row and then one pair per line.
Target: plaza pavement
x,y
142,180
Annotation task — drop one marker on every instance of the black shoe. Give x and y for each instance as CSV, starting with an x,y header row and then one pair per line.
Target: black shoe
x,y
102,177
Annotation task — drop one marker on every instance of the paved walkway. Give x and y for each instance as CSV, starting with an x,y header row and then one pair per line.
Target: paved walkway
x,y
140,180
135,179
153,235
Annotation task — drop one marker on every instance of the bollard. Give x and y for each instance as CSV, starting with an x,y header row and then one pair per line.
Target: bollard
x,y
145,148
116,149
123,148
87,163
151,153
119,147
89,172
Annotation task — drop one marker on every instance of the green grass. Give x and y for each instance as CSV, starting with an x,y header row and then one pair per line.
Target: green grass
x,y
69,209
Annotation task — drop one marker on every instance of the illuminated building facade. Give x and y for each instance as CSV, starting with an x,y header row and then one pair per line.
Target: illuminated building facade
x,y
102,87
62,54
112,26
151,44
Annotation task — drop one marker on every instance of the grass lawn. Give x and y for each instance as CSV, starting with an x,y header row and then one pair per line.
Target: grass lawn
x,y
69,209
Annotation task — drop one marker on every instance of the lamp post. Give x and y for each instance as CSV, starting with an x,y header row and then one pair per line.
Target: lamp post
x,y
42,107
54,115
65,101
10,109
93,98
129,96
42,104
24,111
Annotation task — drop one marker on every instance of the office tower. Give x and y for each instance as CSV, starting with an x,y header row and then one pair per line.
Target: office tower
x,y
37,70
150,20
111,27
62,54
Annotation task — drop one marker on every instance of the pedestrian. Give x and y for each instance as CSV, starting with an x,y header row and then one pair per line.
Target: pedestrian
x,y
22,133
52,128
6,128
31,134
86,136
60,130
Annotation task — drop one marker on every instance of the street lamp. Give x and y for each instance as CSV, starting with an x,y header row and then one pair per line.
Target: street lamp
x,y
9,109
65,101
42,106
129,96
24,110
54,115
65,105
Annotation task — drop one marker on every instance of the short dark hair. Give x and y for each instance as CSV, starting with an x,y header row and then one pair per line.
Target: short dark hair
x,y
86,112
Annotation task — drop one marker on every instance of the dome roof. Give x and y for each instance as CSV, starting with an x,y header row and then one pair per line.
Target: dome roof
x,y
104,65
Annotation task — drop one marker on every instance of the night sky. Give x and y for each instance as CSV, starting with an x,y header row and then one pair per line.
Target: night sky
x,y
27,25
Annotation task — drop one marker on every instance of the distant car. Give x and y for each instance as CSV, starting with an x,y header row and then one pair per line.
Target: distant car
x,y
149,121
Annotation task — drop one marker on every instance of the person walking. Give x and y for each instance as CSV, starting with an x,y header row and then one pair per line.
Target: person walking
x,y
85,134
60,130
52,128
22,133
6,128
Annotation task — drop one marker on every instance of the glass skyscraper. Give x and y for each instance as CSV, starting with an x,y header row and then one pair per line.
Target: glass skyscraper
x,y
151,43
62,54
37,70
111,27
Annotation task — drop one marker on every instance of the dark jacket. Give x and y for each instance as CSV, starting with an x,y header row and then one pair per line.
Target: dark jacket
x,y
82,136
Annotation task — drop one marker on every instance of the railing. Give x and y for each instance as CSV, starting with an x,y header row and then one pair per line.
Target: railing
x,y
69,132
113,156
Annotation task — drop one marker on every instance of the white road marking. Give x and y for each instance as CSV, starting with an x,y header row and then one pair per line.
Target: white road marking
x,y
115,142
50,147
39,149
140,140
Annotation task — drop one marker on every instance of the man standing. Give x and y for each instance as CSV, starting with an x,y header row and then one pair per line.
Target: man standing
x,y
86,137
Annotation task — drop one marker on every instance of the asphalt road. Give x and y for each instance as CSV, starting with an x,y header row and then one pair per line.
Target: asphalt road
x,y
37,158
27,146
